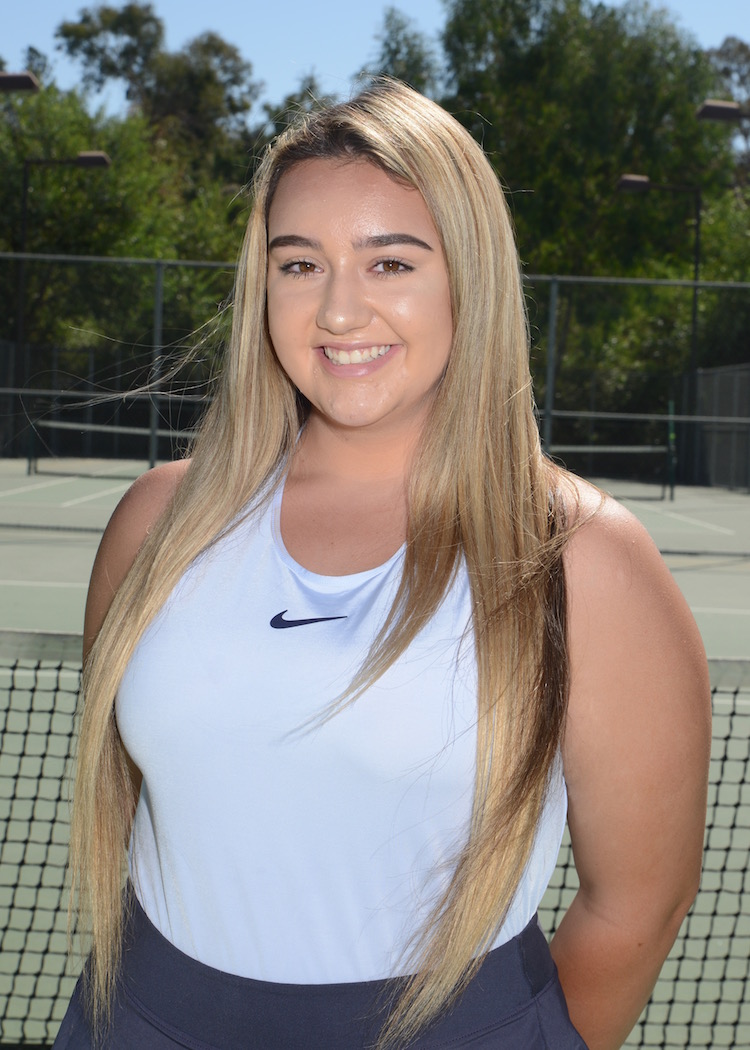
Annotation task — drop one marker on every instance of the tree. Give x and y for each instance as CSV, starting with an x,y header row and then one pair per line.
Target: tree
x,y
308,98
566,96
115,44
136,208
404,53
196,100
38,63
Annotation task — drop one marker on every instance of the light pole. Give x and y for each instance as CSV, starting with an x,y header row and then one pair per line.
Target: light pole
x,y
24,81
642,184
722,111
85,159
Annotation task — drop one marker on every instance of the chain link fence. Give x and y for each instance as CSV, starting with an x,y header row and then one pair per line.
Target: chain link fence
x,y
116,359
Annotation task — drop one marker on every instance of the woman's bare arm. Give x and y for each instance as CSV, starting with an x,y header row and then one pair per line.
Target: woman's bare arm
x,y
135,515
636,756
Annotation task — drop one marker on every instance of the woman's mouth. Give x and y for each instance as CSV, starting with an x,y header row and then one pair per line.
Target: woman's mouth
x,y
360,355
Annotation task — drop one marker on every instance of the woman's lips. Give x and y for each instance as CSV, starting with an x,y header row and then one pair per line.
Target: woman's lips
x,y
357,355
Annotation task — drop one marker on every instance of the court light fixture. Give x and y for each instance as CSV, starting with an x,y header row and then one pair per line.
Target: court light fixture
x,y
90,158
631,183
720,110
18,81
634,183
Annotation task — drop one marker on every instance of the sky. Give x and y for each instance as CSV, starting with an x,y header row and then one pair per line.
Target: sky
x,y
284,42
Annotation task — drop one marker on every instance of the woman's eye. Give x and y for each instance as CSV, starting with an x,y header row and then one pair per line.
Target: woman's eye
x,y
393,266
299,267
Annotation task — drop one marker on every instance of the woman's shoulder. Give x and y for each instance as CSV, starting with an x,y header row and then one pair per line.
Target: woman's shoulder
x,y
141,507
603,534
138,511
611,561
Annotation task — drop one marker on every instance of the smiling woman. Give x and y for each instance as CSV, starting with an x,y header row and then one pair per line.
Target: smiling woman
x,y
350,666
359,315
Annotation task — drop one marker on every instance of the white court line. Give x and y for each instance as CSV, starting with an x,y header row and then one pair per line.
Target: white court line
x,y
39,583
720,612
693,521
63,481
95,495
35,488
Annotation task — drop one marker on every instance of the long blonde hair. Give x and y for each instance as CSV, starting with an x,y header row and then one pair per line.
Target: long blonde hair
x,y
480,490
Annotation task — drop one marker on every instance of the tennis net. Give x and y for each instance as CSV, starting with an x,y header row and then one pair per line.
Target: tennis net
x,y
701,1000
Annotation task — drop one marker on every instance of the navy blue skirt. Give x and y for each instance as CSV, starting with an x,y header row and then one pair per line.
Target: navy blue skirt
x,y
166,1000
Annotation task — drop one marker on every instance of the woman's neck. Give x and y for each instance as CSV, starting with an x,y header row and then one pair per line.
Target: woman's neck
x,y
377,456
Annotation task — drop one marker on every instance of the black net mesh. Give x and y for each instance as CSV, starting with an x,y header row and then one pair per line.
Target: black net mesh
x,y
702,998
37,714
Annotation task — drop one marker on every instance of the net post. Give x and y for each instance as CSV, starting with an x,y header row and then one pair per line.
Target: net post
x,y
33,438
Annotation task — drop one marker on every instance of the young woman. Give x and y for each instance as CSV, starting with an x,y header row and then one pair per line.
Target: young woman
x,y
350,666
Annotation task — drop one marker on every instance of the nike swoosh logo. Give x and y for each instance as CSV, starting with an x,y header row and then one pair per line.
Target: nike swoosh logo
x,y
278,621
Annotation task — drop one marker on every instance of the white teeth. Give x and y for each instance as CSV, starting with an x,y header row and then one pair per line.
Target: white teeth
x,y
357,356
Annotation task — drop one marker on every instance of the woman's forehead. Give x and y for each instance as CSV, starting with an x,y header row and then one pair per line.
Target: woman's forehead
x,y
343,193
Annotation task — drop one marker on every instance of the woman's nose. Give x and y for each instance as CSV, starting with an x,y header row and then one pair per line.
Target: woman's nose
x,y
343,306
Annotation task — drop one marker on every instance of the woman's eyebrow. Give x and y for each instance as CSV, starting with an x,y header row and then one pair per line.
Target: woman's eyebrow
x,y
293,240
383,240
380,240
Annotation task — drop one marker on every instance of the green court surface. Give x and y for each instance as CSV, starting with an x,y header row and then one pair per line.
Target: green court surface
x,y
51,523
50,528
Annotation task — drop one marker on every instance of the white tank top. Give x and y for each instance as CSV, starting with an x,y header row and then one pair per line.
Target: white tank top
x,y
292,854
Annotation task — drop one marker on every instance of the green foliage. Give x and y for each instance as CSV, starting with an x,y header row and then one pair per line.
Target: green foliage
x,y
115,43
308,98
732,62
196,100
37,63
137,208
566,96
173,190
404,53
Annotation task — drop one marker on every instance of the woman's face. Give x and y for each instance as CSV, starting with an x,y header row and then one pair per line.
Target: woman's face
x,y
358,302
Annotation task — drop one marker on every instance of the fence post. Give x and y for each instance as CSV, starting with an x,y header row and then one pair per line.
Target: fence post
x,y
671,450
88,445
156,363
549,394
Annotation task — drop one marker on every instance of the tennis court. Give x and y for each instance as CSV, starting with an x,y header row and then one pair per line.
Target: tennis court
x,y
50,525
